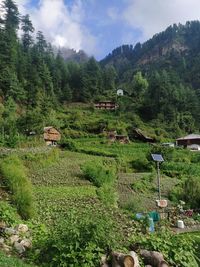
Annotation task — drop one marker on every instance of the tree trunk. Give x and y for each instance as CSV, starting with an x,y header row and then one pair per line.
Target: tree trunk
x,y
123,260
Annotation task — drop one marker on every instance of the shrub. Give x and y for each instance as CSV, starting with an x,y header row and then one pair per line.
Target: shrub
x,y
108,195
8,214
178,250
78,241
14,174
43,159
142,164
68,144
99,174
191,192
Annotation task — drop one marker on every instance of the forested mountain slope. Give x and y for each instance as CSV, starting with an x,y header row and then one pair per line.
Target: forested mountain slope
x,y
160,78
177,49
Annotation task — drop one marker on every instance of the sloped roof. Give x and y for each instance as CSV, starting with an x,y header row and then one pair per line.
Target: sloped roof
x,y
47,128
189,137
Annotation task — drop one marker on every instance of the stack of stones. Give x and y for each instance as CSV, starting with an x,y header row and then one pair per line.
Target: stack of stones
x,y
16,239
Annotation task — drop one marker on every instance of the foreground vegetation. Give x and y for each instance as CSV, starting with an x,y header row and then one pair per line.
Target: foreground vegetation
x,y
86,191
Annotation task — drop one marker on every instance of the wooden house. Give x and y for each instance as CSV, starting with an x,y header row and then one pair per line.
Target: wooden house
x,y
191,139
114,137
122,139
139,135
106,105
51,136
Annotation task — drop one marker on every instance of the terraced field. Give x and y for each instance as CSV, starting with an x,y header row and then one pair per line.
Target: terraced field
x,y
61,187
139,190
64,172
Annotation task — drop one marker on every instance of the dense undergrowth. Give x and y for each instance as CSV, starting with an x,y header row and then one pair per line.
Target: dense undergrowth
x,y
15,176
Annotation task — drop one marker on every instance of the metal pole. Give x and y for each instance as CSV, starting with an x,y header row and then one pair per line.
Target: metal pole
x,y
158,177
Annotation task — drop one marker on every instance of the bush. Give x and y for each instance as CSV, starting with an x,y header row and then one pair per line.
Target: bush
x,y
43,159
99,174
108,195
142,164
14,174
178,250
8,214
78,241
191,192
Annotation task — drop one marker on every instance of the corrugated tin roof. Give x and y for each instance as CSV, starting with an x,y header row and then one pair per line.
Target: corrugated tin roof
x,y
190,136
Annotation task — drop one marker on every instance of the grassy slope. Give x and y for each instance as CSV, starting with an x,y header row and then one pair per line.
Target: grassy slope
x,y
6,261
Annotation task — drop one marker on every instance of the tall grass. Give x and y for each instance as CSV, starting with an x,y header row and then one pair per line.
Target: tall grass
x,y
104,178
15,175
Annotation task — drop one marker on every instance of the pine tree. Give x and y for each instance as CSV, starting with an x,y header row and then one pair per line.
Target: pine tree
x,y
27,28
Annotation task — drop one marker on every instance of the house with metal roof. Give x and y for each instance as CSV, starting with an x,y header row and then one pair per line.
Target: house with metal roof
x,y
191,139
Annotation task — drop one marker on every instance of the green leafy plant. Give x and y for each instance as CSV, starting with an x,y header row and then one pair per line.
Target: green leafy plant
x,y
178,250
108,195
99,174
78,241
8,214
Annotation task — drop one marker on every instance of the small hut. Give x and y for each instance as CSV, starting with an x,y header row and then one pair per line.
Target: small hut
x,y
114,137
191,139
139,135
122,139
51,136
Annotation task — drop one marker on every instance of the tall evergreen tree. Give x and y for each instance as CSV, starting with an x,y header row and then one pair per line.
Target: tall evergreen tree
x,y
28,29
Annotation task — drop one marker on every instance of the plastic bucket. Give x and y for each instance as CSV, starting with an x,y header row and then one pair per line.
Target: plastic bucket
x,y
180,224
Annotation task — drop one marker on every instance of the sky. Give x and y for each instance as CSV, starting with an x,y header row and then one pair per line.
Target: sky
x,y
99,26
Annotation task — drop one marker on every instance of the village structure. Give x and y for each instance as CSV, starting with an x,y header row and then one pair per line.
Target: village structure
x,y
106,105
114,137
51,136
120,92
191,141
139,135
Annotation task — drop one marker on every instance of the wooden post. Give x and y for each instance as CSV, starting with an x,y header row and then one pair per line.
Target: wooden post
x,y
158,178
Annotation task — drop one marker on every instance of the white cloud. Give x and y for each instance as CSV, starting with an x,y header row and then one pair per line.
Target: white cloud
x,y
153,16
62,25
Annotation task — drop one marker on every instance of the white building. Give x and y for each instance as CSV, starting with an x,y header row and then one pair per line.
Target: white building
x,y
120,92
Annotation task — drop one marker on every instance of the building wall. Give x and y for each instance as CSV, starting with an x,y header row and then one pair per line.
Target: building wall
x,y
188,142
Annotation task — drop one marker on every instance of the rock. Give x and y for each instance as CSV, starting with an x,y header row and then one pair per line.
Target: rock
x,y
26,243
10,231
6,248
2,224
23,228
1,241
13,239
19,247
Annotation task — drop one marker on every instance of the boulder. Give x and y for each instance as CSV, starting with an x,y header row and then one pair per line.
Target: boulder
x,y
19,247
13,239
22,228
1,241
6,248
26,243
10,231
